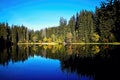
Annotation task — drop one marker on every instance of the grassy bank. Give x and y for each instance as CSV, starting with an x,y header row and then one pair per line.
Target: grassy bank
x,y
114,43
53,43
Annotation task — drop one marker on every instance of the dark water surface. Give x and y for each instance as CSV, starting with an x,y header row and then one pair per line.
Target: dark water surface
x,y
71,62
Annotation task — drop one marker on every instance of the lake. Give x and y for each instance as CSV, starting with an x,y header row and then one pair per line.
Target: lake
x,y
58,62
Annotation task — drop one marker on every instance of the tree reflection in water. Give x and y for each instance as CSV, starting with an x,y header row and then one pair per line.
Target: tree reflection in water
x,y
103,66
98,61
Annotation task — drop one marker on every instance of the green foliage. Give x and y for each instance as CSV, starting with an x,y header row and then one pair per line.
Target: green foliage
x,y
44,39
95,37
63,22
69,37
86,26
108,20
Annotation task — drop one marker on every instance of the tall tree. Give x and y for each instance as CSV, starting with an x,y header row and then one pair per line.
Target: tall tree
x,y
85,26
108,20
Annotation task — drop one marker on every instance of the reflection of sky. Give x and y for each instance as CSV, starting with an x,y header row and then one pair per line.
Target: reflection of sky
x,y
37,14
37,68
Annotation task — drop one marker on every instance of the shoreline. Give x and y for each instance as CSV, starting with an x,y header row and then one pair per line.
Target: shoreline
x,y
53,43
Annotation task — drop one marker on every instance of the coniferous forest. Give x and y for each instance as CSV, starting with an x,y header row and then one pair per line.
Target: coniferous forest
x,y
101,26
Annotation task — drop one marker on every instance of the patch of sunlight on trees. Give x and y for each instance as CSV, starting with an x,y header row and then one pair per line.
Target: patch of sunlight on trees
x,y
69,37
44,39
58,40
40,41
49,40
53,37
95,37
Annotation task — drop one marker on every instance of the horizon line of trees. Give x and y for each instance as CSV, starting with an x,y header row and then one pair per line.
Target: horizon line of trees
x,y
103,25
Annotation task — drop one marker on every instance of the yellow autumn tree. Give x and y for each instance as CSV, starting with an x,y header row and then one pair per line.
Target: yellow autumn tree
x,y
53,37
95,37
69,37
44,39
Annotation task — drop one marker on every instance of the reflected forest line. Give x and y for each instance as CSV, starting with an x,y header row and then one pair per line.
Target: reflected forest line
x,y
87,60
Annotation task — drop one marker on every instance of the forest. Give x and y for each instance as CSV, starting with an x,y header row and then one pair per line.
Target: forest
x,y
101,26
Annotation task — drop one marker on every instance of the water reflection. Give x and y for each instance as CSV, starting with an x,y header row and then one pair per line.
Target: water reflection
x,y
87,61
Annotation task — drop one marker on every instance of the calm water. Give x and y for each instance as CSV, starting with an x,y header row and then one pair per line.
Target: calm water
x,y
71,62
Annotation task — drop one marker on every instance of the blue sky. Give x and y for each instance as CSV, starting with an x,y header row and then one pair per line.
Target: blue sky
x,y
38,14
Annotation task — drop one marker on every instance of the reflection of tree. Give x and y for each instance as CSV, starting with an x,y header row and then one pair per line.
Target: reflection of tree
x,y
5,56
18,54
22,52
44,53
74,58
95,49
98,66
85,50
80,58
69,49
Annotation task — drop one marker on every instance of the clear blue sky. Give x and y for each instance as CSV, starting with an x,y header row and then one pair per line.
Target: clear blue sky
x,y
37,14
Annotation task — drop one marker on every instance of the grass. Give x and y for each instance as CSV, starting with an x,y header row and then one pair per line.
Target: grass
x,y
114,43
82,43
52,43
